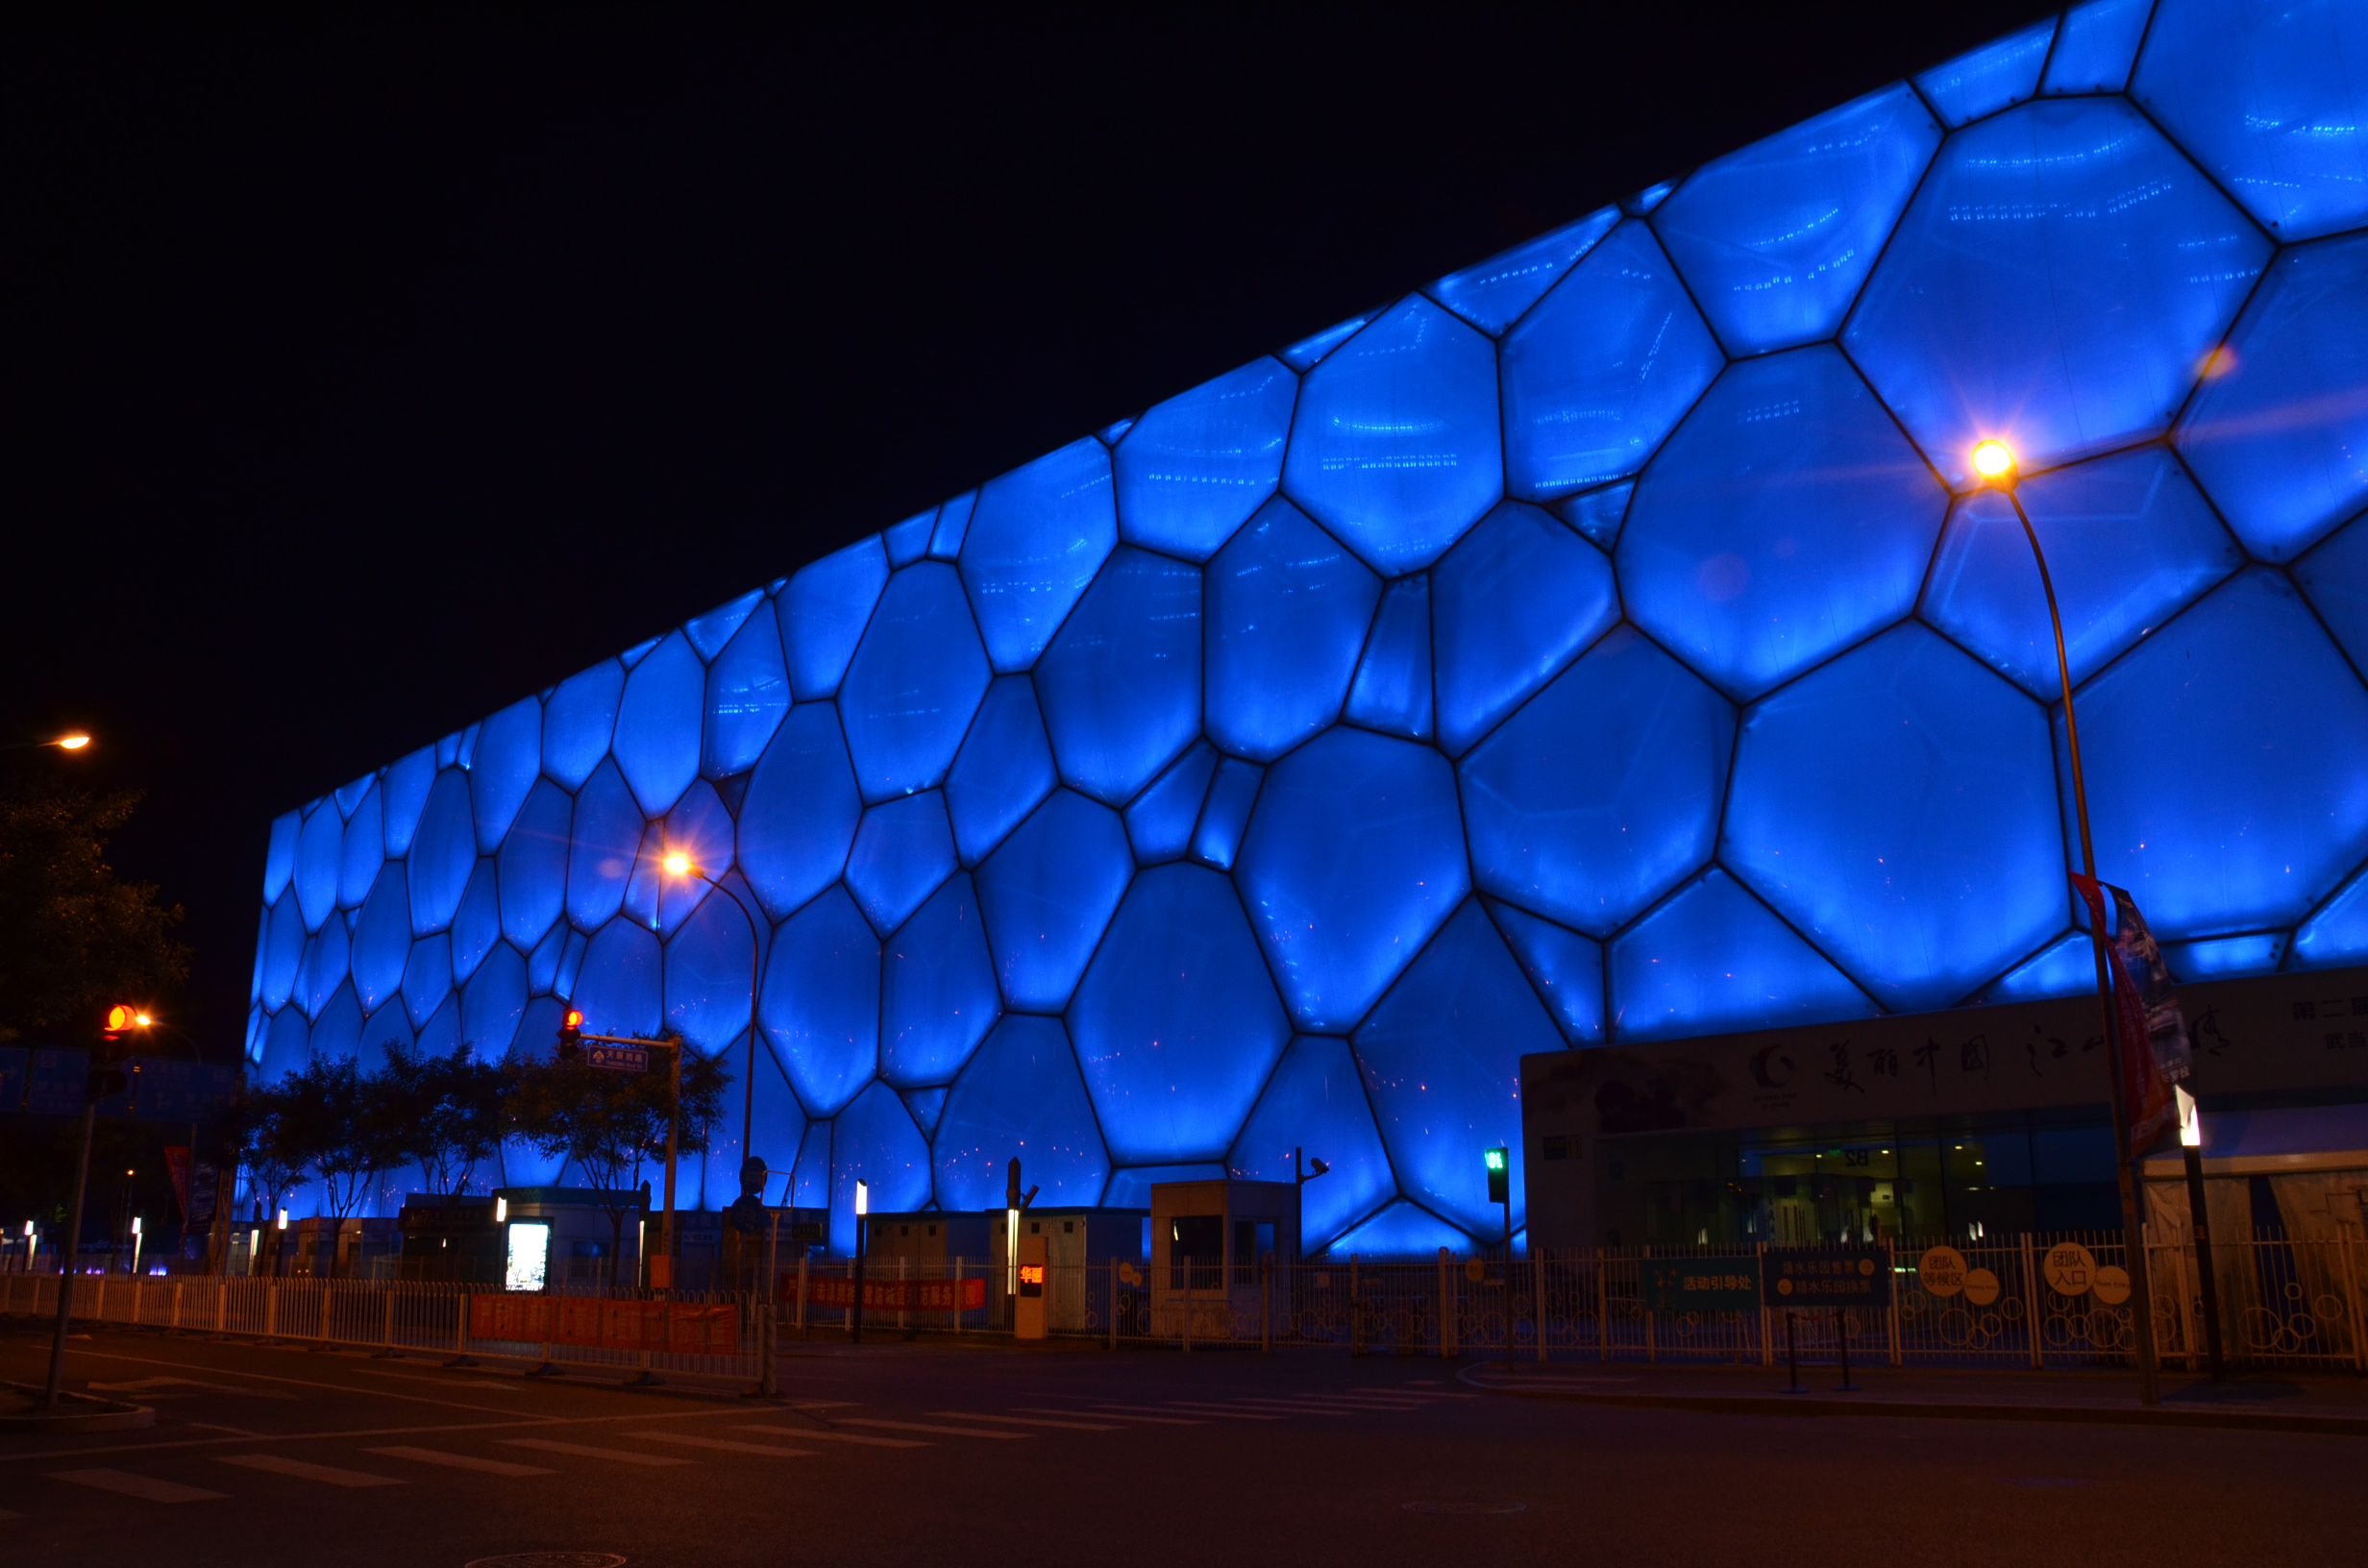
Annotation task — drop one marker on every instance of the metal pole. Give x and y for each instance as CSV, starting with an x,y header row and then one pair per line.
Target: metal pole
x,y
2133,1236
673,1138
2198,1215
65,1259
854,1319
1509,1293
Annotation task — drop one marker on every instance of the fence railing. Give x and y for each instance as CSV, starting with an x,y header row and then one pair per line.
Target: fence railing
x,y
2297,1304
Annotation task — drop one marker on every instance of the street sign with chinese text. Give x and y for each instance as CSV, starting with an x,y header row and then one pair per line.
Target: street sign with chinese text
x,y
1700,1285
617,1058
1827,1276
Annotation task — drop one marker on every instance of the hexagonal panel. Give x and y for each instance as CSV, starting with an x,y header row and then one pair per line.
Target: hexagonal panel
x,y
711,971
621,988
823,610
1020,1096
1393,689
2054,284
477,925
2096,46
534,864
2337,931
362,851
443,853
1602,369
903,851
502,769
1217,839
1354,856
1048,894
2130,542
1395,448
1443,1062
800,813
607,841
382,939
492,1003
1404,1229
874,1142
938,997
336,1034
1176,1021
820,1003
1600,795
1160,823
915,683
1315,1103
1565,968
656,746
2263,807
1513,603
748,692
1777,238
328,960
2335,577
2278,434
1986,80
1493,295
712,632
1287,609
2269,99
1038,536
1899,807
1784,520
319,851
1194,467
700,828
428,976
1003,770
1713,959
1121,685
280,857
579,723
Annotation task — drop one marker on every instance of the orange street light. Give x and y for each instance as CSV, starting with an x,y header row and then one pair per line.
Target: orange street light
x,y
680,865
71,740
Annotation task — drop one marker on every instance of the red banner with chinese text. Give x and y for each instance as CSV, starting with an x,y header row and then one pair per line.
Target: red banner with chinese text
x,y
680,1327
891,1295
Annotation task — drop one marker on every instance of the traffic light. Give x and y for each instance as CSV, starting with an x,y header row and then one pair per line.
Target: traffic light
x,y
106,1075
571,1035
1499,1162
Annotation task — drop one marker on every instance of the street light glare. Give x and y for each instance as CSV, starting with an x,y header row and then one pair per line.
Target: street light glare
x,y
1993,459
677,865
72,742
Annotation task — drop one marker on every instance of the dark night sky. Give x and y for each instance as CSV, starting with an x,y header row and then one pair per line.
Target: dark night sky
x,y
365,370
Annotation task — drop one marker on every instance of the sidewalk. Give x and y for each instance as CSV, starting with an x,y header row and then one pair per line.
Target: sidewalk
x,y
2336,1407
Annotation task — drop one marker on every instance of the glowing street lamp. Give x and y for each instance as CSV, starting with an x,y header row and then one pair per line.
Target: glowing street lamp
x,y
73,740
1994,461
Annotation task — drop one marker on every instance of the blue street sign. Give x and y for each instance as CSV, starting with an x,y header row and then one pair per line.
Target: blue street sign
x,y
617,1058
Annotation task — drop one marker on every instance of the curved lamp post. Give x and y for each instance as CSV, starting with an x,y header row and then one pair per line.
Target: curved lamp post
x,y
681,865
1994,461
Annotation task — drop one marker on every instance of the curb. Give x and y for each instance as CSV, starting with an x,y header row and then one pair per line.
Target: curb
x,y
78,1414
2102,1416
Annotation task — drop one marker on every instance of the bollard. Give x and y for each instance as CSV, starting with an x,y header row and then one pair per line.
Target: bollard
x,y
460,1336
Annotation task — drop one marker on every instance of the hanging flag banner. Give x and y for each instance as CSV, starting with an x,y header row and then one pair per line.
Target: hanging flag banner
x,y
2151,1051
177,1165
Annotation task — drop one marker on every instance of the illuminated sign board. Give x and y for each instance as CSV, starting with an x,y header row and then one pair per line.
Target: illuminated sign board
x,y
527,1266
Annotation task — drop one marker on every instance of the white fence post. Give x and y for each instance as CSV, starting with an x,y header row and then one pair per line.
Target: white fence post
x,y
2031,1306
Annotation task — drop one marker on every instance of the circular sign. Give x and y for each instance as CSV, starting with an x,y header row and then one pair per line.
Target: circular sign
x,y
1476,1270
1784,1288
2112,1284
1980,1286
2069,1268
1941,1270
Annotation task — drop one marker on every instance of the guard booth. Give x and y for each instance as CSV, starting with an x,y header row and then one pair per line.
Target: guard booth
x,y
1210,1244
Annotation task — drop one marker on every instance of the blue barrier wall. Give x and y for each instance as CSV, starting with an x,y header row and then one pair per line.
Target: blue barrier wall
x,y
1609,642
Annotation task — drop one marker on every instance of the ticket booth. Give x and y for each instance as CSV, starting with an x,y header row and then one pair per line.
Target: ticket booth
x,y
1210,1244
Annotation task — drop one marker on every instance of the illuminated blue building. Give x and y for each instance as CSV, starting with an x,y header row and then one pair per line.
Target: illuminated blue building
x,y
1606,643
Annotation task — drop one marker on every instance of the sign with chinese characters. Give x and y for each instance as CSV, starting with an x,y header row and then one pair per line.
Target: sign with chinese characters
x,y
1941,1271
1700,1285
617,1058
1826,1276
2069,1268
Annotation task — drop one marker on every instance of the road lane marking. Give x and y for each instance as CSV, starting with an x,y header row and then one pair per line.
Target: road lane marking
x,y
464,1462
305,1383
1129,1412
584,1451
942,1431
1231,1413
302,1471
838,1436
1322,1406
145,1487
725,1444
1024,1421
153,1386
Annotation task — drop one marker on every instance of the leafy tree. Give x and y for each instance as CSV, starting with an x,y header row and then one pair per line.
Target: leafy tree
x,y
257,1133
609,1123
73,938
446,1112
339,1121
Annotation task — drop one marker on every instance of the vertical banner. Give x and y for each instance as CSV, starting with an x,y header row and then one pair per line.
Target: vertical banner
x,y
2151,1051
176,1163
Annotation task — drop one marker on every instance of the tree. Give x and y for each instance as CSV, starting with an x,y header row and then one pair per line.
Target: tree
x,y
73,938
446,1112
255,1132
338,1120
610,1123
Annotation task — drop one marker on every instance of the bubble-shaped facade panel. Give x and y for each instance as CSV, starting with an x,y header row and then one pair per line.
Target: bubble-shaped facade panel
x,y
1784,520
1392,690
382,939
1603,793
1315,1104
280,856
534,864
1404,1229
2335,577
492,1002
1496,293
2337,932
318,853
1776,239
1047,895
819,1004
622,988
362,849
2263,807
825,608
443,853
1289,607
2055,284
2129,539
903,851
1715,958
1395,448
1020,1097
509,756
605,842
1602,369
709,633
710,974
428,977
336,1034
2096,45
1176,1021
802,810
1565,969
656,746
1217,838
579,723
1899,807
1443,1061
2279,434
748,692
477,925
1160,823
1354,856
328,960
938,997
1195,467
1003,770
1983,81
2270,98
1038,536
914,684
1121,685
1513,602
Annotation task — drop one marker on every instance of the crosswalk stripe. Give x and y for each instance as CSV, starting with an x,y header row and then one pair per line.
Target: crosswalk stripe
x,y
804,1434
1232,1412
771,1451
1121,1412
1026,1421
145,1487
942,1431
584,1451
462,1461
303,1471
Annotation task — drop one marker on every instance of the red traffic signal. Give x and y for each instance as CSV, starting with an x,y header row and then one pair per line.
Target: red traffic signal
x,y
571,1035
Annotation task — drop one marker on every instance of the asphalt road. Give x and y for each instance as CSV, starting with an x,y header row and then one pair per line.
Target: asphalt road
x,y
987,1455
